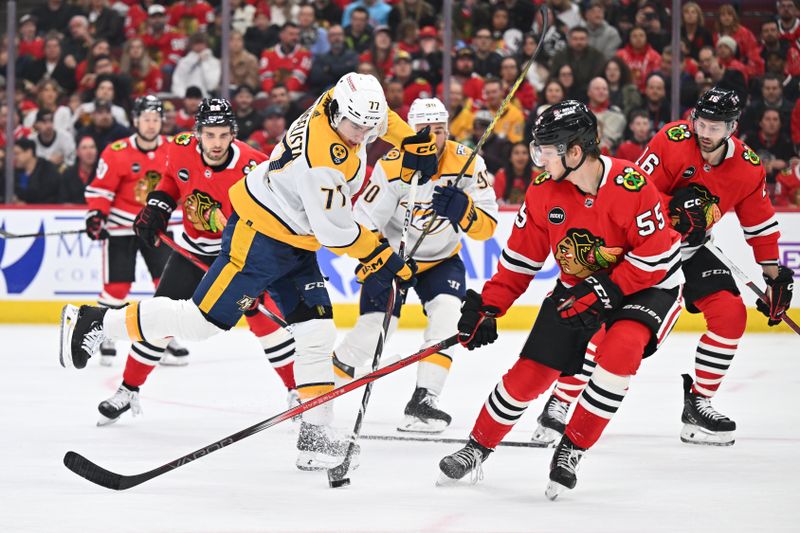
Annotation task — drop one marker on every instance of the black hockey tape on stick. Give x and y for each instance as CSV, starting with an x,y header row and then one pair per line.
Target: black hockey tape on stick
x,y
752,286
202,266
111,480
545,27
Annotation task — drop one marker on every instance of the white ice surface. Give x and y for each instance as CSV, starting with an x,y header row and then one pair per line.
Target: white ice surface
x,y
638,478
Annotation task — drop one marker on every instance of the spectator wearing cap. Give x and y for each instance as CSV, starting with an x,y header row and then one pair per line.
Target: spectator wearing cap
x,y
511,122
135,64
429,58
55,15
358,33
586,62
610,116
381,52
640,57
103,128
55,145
462,112
198,68
103,91
75,178
184,119
106,23
272,129
287,62
395,98
191,16
248,119
30,46
726,55
641,131
36,180
487,61
377,12
603,37
414,85
165,44
312,36
244,65
261,35
496,149
464,73
52,66
418,11
326,69
745,48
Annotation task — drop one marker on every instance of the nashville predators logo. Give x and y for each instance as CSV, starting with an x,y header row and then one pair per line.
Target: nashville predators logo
x,y
338,153
541,178
581,254
751,157
204,213
391,155
630,179
146,185
422,214
119,145
183,139
679,133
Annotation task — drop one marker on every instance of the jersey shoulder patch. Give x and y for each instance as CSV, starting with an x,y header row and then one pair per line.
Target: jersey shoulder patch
x,y
391,164
750,156
119,145
630,179
391,155
678,133
183,139
540,178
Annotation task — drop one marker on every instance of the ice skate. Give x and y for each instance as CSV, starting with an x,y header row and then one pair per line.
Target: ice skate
x,y
108,351
175,355
702,424
321,448
564,468
81,334
467,460
422,414
124,399
552,423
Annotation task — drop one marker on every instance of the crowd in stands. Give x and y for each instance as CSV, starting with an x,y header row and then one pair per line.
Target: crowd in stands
x,y
82,63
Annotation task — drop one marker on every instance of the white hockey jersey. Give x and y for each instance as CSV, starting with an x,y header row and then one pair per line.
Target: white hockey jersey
x,y
302,196
382,205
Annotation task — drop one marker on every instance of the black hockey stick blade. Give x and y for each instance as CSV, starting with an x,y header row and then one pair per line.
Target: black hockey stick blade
x,y
94,473
444,440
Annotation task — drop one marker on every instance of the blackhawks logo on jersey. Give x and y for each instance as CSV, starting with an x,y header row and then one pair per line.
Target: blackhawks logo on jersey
x,y
541,178
709,202
630,180
119,145
204,212
750,156
679,133
146,185
183,139
581,254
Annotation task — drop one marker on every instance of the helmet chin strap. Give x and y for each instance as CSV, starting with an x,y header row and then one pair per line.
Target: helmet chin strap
x,y
569,169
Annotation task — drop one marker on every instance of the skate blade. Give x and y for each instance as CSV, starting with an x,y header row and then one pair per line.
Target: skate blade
x,y
314,462
174,360
69,314
443,480
691,434
554,490
176,350
412,424
105,421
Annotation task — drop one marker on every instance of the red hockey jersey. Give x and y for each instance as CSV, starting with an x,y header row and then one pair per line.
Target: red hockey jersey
x,y
620,229
290,69
203,190
125,175
673,161
166,48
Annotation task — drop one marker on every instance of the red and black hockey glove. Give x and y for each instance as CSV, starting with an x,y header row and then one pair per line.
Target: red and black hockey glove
x,y
586,304
379,268
96,225
419,154
154,217
688,215
779,294
478,325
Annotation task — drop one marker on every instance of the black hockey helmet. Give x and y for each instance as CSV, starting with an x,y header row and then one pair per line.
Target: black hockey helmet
x,y
563,125
215,112
718,104
147,103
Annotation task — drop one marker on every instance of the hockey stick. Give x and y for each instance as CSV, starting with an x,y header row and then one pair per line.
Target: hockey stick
x,y
337,475
98,475
429,225
8,235
744,279
202,266
444,440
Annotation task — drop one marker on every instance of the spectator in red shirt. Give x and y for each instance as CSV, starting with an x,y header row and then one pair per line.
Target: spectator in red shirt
x,y
380,52
184,120
85,72
145,76
273,127
525,97
746,49
165,44
641,128
287,62
191,16
726,55
29,45
640,57
395,98
464,73
414,86
512,180
787,187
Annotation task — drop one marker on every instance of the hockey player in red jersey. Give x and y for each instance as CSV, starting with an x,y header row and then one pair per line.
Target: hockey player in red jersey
x,y
126,172
620,270
200,168
704,172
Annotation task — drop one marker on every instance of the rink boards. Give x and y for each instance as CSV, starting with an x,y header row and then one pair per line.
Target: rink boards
x,y
38,275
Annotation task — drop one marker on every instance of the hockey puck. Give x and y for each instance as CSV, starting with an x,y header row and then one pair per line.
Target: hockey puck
x,y
336,483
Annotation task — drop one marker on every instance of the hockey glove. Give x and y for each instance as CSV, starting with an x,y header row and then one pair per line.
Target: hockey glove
x,y
688,215
154,217
585,305
456,205
477,326
419,154
379,268
779,294
96,225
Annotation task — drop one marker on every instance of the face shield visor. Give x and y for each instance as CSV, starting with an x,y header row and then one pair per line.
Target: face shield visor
x,y
541,155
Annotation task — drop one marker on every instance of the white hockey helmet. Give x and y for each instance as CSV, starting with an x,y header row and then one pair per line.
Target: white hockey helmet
x,y
427,111
360,98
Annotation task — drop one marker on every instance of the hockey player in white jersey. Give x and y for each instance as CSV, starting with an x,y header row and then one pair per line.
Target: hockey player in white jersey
x,y
467,208
284,211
